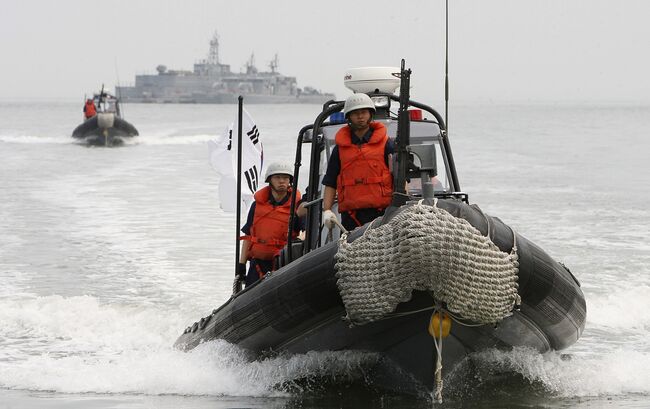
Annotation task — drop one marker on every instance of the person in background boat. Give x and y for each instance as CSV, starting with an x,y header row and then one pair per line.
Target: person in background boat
x,y
268,224
89,109
358,171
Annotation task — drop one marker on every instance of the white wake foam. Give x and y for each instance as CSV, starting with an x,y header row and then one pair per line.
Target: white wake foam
x,y
79,345
617,372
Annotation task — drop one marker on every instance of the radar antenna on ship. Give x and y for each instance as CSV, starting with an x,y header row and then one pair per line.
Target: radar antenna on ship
x,y
250,65
273,65
213,55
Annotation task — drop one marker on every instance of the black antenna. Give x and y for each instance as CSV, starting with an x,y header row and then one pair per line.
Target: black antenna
x,y
446,65
403,137
118,93
101,97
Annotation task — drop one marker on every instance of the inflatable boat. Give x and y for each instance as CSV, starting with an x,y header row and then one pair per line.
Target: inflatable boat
x,y
106,127
434,271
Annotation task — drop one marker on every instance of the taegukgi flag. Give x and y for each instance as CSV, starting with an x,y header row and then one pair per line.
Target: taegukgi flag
x,y
223,158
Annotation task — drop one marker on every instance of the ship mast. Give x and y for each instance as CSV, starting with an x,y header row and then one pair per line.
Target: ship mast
x,y
250,65
213,55
273,65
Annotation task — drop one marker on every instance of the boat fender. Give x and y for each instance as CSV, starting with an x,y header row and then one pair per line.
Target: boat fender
x,y
436,322
195,326
570,273
204,321
188,329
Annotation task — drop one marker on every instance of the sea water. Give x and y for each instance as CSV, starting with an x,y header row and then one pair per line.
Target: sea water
x,y
107,254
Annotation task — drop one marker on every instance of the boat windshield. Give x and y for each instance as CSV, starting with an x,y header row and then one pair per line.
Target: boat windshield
x,y
106,104
422,132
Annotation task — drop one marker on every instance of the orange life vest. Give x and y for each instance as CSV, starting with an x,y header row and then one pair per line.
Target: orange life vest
x,y
89,109
270,226
365,181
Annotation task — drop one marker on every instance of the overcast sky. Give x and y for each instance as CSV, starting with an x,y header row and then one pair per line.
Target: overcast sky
x,y
500,50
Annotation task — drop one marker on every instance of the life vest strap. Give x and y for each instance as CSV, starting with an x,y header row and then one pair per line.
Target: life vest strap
x,y
353,216
260,273
347,181
270,242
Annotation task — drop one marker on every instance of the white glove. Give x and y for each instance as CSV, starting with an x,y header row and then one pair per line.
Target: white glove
x,y
328,218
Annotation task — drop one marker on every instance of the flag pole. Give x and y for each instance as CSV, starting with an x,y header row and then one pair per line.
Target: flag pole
x,y
237,285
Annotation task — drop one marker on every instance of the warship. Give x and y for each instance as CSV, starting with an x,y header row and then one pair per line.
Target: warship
x,y
212,82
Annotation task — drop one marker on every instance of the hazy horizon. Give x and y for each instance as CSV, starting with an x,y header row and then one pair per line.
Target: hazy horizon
x,y
499,51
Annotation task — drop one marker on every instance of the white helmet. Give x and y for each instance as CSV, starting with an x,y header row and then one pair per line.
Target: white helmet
x,y
278,168
358,101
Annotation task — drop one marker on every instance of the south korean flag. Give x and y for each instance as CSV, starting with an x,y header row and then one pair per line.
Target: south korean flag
x,y
223,158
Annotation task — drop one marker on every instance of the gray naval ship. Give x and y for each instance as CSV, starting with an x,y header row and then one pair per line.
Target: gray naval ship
x,y
212,82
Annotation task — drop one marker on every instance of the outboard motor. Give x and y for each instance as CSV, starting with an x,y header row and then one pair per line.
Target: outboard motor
x,y
105,120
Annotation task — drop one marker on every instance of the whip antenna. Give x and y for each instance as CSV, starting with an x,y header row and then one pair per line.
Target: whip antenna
x,y
446,65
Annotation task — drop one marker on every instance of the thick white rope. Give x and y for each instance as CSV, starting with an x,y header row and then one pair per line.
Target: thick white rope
x,y
437,341
425,248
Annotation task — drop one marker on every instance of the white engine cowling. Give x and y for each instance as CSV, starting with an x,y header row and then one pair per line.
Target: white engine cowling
x,y
105,120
